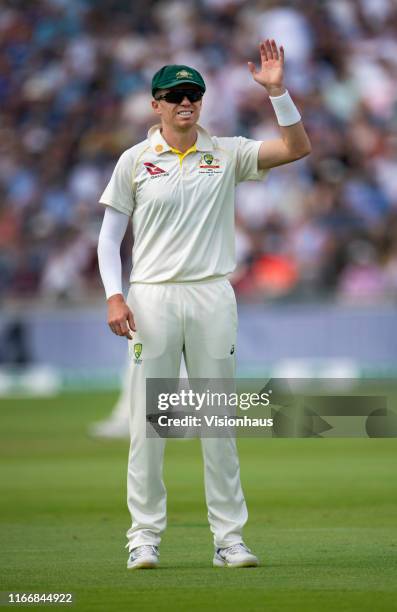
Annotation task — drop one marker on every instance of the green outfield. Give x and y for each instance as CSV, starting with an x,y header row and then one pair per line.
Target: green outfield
x,y
323,519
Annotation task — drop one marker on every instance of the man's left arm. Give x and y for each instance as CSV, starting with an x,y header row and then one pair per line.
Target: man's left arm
x,y
294,142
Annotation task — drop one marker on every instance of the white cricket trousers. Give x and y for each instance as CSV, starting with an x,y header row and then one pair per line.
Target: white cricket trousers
x,y
200,320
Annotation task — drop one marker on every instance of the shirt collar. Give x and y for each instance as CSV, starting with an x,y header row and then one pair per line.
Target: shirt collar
x,y
159,144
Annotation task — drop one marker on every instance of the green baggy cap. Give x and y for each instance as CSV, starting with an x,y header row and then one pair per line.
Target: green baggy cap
x,y
173,74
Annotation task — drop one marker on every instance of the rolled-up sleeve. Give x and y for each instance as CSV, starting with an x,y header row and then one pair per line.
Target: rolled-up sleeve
x,y
247,152
119,191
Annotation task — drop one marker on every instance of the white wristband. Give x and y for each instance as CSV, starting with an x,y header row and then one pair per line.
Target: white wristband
x,y
285,109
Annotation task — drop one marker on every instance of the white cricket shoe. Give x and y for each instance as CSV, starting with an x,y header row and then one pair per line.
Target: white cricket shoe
x,y
143,557
237,555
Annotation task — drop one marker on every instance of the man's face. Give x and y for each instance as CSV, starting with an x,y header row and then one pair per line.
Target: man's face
x,y
178,115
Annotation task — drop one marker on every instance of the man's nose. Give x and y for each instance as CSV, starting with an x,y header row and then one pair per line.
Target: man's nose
x,y
185,101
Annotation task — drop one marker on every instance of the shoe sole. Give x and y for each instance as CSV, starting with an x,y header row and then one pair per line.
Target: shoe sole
x,y
219,563
144,565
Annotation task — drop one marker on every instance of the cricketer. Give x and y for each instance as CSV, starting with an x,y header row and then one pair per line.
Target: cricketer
x,y
178,187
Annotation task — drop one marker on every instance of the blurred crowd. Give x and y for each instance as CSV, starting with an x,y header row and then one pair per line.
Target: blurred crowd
x,y
75,92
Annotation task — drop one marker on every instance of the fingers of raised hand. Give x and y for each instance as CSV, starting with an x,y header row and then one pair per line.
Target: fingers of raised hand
x,y
270,51
274,49
263,52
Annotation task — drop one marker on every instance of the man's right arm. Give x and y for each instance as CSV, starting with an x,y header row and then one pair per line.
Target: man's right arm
x,y
120,317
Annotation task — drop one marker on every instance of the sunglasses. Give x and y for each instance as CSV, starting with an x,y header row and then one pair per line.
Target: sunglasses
x,y
177,95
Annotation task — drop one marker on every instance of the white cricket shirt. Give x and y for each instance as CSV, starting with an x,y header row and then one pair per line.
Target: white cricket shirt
x,y
182,206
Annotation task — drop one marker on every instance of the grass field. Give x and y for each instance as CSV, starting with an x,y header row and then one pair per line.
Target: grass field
x,y
323,519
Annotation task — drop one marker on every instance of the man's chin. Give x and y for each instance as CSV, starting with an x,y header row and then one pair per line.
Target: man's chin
x,y
185,124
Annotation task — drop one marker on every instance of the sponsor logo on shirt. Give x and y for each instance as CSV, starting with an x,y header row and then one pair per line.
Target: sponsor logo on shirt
x,y
209,164
154,170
